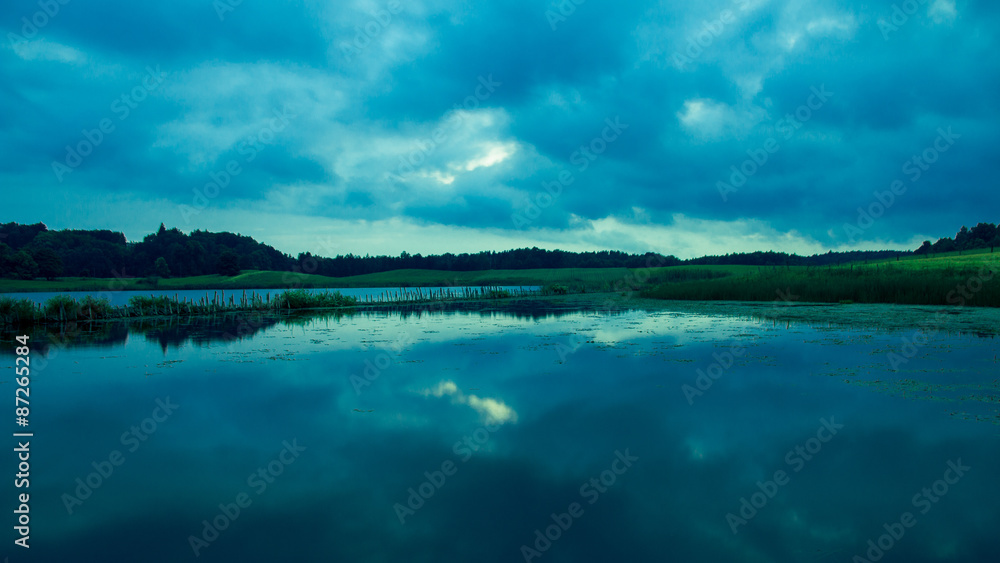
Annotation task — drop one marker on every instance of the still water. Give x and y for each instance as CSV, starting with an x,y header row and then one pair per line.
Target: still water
x,y
549,436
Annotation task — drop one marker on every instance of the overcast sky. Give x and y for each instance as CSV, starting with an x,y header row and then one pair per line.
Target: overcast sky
x,y
431,126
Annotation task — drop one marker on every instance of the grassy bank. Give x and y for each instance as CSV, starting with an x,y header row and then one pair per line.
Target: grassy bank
x,y
947,279
577,278
941,280
63,308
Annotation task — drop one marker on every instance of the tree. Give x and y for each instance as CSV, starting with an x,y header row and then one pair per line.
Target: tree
x,y
19,235
925,248
6,261
24,267
259,260
228,264
983,234
50,265
161,268
945,244
963,239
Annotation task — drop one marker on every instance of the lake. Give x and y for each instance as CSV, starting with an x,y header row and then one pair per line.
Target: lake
x,y
547,435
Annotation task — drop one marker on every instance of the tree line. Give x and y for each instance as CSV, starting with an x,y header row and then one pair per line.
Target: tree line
x,y
983,235
32,251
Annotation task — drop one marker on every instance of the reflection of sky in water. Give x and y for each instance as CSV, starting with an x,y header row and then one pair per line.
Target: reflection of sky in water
x,y
560,395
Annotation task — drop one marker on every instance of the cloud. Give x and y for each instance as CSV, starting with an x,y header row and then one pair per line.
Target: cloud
x,y
42,50
943,11
707,119
404,133
491,410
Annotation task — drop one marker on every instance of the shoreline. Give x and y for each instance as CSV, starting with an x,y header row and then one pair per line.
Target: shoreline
x,y
877,316
881,316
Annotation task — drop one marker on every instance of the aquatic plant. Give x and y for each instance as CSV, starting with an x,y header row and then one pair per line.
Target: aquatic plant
x,y
16,312
302,299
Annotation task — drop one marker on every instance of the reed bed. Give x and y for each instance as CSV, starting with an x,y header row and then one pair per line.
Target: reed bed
x,y
65,308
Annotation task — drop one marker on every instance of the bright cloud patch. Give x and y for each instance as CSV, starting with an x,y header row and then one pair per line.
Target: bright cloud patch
x,y
707,119
943,11
496,154
492,410
832,26
42,50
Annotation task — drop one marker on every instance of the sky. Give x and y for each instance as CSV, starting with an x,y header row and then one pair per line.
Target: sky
x,y
686,128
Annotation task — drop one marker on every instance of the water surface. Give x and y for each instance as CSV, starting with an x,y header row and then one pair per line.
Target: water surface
x,y
502,421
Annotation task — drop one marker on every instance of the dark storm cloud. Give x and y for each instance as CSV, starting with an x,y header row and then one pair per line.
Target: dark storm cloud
x,y
493,103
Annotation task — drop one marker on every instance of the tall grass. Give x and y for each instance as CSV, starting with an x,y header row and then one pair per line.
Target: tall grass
x,y
686,274
63,308
16,312
302,299
974,284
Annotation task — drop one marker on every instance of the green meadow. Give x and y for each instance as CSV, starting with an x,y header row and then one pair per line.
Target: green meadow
x,y
574,278
944,279
954,279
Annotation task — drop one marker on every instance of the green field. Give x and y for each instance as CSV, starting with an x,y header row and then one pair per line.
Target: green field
x,y
966,279
573,278
956,258
936,280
